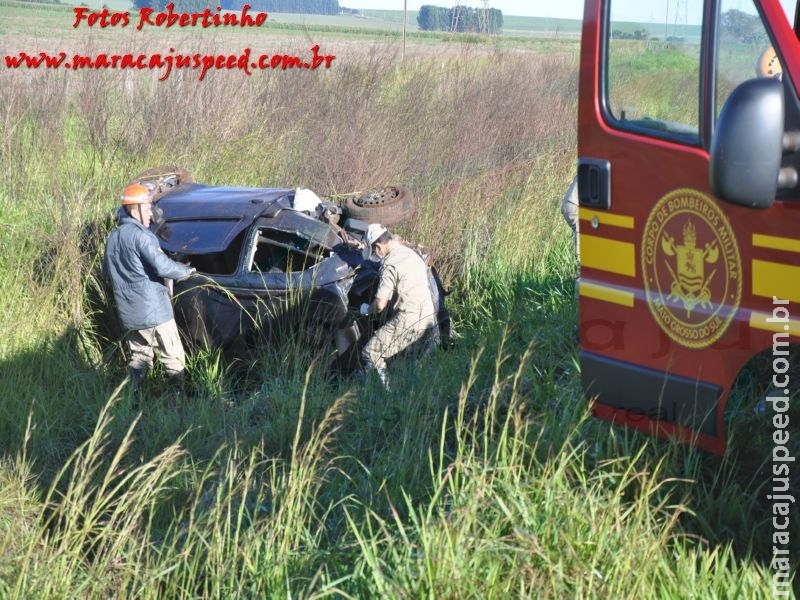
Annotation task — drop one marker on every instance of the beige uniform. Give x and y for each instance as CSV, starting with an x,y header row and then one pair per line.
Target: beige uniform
x,y
404,280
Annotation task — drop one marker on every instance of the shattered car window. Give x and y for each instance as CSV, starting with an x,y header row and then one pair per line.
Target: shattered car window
x,y
280,251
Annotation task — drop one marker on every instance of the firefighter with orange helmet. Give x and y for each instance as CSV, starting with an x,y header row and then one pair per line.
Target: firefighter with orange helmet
x,y
136,267
768,64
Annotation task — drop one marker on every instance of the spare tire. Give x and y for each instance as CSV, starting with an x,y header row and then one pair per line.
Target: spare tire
x,y
387,206
165,179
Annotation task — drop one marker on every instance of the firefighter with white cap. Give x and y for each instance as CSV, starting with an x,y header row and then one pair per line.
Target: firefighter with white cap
x,y
569,210
137,267
404,284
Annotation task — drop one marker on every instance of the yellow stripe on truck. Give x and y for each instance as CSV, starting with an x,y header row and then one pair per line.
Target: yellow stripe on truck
x,y
774,279
608,255
604,218
773,242
758,320
606,293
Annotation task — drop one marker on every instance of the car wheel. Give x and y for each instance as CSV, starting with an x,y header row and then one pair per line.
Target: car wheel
x,y
164,178
387,206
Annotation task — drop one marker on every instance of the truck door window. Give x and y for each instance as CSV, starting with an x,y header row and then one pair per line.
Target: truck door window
x,y
653,80
745,50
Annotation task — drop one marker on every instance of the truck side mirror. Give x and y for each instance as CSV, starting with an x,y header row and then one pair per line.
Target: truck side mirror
x,y
747,144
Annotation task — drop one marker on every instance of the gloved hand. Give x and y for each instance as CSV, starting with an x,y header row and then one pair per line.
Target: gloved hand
x,y
364,310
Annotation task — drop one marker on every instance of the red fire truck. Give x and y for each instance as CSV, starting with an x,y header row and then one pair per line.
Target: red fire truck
x,y
688,152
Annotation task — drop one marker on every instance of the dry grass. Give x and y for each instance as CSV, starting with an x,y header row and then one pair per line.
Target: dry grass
x,y
458,127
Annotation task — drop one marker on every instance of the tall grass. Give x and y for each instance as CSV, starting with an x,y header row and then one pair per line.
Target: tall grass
x,y
479,475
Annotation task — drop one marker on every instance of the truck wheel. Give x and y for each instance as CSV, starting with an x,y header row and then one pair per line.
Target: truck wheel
x,y
387,206
164,178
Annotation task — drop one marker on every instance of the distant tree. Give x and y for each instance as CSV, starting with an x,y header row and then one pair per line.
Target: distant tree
x,y
433,18
496,20
490,20
463,18
459,18
639,34
743,27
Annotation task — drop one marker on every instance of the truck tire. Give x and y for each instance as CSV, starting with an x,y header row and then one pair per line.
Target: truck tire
x,y
387,206
165,178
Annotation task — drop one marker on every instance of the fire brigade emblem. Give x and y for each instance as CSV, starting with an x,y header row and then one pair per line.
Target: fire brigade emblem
x,y
692,268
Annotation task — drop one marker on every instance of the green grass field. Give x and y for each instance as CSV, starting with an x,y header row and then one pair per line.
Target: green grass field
x,y
479,475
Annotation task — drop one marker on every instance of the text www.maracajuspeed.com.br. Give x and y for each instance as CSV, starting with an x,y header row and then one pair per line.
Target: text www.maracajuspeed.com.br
x,y
244,61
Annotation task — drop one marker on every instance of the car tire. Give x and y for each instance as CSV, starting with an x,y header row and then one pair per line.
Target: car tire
x,y
387,206
166,178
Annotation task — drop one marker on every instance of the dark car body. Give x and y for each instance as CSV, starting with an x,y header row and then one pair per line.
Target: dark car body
x,y
264,267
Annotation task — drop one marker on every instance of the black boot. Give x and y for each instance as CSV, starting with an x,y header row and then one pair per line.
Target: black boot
x,y
176,384
135,378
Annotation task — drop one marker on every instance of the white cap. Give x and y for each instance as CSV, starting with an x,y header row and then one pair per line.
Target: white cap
x,y
374,231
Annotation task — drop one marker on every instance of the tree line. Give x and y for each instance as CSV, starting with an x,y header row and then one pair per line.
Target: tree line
x,y
460,18
429,18
309,7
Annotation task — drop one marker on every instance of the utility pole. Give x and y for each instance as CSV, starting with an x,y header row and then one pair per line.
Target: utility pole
x,y
484,17
405,21
456,16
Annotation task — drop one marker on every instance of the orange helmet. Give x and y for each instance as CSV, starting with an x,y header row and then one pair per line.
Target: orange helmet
x,y
768,64
136,193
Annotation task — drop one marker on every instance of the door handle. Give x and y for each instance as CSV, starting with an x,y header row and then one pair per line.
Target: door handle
x,y
594,183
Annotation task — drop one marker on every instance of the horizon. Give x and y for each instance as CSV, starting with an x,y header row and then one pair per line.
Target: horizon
x,y
566,9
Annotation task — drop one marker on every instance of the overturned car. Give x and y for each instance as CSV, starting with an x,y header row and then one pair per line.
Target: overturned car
x,y
271,260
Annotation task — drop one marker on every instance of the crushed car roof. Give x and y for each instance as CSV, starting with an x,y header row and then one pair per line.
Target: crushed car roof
x,y
198,201
201,218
